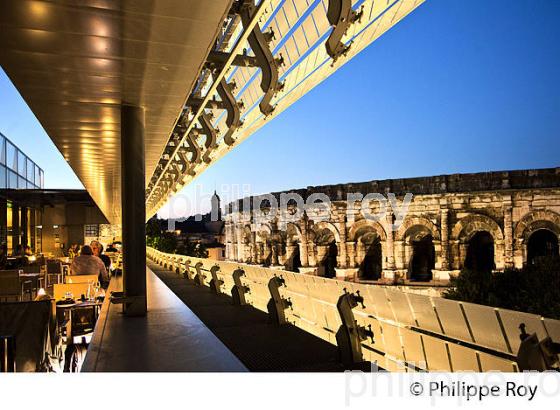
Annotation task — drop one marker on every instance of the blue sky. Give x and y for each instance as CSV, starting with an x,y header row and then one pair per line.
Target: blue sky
x,y
457,86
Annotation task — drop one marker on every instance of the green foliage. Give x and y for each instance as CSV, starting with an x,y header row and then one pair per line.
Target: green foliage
x,y
533,289
193,249
153,228
165,242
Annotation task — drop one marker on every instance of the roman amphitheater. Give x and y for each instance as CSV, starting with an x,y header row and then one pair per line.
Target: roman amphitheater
x,y
491,220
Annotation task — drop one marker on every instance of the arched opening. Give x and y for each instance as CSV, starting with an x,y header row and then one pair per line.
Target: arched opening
x,y
265,250
330,261
372,265
423,259
480,252
327,251
542,244
295,262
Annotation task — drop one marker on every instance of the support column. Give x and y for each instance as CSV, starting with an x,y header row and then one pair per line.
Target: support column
x,y
239,237
303,249
24,226
16,248
133,202
444,239
508,233
3,222
390,246
342,259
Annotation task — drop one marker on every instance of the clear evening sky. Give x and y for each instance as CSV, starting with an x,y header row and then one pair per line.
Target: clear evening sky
x,y
457,86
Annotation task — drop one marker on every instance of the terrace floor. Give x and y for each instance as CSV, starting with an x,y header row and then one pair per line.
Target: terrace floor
x,y
169,338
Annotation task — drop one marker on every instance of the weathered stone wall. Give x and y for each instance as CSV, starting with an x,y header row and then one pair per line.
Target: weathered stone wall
x,y
445,215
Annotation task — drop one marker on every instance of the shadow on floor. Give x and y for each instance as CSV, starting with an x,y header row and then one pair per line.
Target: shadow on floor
x,y
247,332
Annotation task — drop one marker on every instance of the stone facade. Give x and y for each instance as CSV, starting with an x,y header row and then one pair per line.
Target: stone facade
x,y
488,220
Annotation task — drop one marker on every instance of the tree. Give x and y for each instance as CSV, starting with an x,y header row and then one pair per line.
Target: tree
x,y
153,228
533,289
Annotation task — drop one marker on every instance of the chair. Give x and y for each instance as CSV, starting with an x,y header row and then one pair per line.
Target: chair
x,y
10,285
54,272
32,328
76,289
36,268
81,278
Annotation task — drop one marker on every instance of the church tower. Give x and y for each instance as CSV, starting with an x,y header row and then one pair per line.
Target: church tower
x,y
216,213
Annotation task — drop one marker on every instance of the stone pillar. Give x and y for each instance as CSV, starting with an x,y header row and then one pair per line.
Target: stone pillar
x,y
274,251
240,245
444,239
133,191
254,248
341,259
508,233
390,249
303,248
351,251
229,240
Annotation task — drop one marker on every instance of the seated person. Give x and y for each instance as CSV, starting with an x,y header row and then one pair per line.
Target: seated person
x,y
97,249
111,248
89,264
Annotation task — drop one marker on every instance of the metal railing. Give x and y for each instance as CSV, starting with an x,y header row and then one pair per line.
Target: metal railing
x,y
397,330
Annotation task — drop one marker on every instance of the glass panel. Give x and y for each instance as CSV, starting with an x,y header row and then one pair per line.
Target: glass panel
x,y
436,354
485,326
511,321
400,306
452,319
41,179
11,154
491,363
21,164
553,328
424,312
30,174
412,345
12,179
3,176
37,177
2,150
463,359
22,183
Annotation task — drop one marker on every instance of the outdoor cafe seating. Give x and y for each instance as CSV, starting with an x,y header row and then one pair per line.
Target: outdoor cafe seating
x,y
46,316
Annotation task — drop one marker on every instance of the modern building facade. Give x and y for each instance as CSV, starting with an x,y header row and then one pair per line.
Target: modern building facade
x,y
18,224
48,221
491,220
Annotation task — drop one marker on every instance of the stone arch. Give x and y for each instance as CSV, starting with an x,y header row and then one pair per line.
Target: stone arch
x,y
534,220
413,231
327,225
529,224
467,226
295,227
362,224
418,223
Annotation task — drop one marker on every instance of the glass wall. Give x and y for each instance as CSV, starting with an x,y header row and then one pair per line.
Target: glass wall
x,y
17,171
19,223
